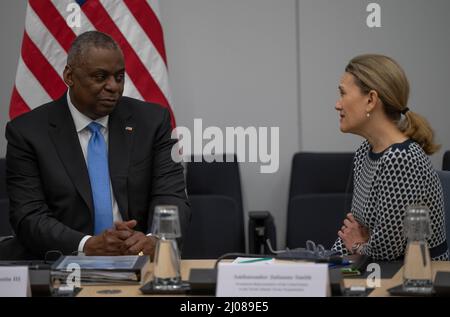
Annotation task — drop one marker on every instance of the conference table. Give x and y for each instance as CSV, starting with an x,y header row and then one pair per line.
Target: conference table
x,y
186,265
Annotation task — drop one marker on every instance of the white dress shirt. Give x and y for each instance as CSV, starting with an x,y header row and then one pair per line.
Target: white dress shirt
x,y
84,134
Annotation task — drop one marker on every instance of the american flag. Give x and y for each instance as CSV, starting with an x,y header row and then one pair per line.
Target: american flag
x,y
50,28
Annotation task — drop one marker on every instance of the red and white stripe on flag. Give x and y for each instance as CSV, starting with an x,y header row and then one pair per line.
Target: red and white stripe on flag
x,y
134,24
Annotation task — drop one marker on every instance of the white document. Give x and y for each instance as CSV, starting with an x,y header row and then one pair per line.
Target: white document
x,y
14,281
260,261
276,280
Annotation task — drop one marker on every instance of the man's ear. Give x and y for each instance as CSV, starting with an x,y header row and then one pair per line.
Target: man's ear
x,y
372,100
68,75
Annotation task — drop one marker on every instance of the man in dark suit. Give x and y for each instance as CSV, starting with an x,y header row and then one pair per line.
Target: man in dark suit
x,y
85,172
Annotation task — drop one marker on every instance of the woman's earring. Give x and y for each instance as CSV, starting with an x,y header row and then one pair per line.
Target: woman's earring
x,y
368,115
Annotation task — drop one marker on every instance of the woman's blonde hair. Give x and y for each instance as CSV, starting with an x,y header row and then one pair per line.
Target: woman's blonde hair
x,y
387,78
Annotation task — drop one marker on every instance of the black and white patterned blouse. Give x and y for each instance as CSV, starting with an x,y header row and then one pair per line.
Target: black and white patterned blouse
x,y
384,185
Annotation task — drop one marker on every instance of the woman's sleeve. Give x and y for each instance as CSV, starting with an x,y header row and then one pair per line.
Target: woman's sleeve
x,y
398,186
356,165
339,247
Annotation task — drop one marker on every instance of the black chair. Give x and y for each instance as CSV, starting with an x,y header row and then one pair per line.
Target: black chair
x,y
215,228
217,221
444,176
446,161
5,227
3,194
319,197
214,178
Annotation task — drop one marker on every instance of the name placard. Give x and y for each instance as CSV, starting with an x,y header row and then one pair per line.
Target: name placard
x,y
14,281
275,280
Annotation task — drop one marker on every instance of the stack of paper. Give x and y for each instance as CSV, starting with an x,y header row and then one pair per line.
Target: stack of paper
x,y
101,269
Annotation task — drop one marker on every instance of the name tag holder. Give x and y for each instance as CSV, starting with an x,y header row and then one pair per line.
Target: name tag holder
x,y
274,280
14,281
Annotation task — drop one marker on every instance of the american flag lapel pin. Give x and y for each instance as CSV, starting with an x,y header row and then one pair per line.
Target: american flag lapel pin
x,y
129,129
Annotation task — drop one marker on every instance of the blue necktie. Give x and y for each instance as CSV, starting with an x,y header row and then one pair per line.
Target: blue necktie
x,y
97,161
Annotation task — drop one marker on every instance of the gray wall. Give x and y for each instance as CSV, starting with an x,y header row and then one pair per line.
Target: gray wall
x,y
278,63
414,32
234,63
12,18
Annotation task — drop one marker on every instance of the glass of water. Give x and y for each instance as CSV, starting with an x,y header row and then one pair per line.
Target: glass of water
x,y
417,275
166,269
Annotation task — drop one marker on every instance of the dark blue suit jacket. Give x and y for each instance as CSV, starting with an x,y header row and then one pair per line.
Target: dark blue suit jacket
x,y
51,205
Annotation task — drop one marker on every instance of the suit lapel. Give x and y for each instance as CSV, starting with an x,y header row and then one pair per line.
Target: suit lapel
x,y
121,131
64,136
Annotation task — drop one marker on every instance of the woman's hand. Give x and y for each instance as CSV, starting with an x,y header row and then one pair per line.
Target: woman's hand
x,y
352,232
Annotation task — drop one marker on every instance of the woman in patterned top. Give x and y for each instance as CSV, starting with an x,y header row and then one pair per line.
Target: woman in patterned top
x,y
391,168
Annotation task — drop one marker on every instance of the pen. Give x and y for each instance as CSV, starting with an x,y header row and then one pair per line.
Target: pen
x,y
256,260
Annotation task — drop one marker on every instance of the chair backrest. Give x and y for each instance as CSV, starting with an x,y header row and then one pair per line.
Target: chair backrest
x,y
214,190
446,161
314,173
214,178
5,227
3,194
320,195
445,181
215,228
